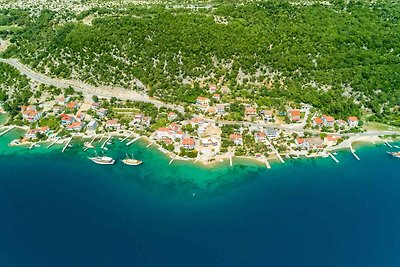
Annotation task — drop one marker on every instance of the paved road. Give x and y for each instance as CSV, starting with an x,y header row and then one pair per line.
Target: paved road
x,y
89,90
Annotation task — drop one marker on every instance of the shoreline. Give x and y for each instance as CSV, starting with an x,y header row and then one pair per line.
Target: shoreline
x,y
356,141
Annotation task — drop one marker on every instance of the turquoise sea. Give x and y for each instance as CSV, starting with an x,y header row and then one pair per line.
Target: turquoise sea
x,y
60,209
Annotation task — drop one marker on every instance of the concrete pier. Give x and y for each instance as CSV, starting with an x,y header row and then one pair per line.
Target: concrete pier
x,y
230,160
126,137
133,141
6,131
354,153
66,145
267,164
333,157
279,157
387,143
53,143
105,142
149,145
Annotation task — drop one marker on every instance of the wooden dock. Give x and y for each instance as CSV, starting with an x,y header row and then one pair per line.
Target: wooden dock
x,y
133,141
66,145
333,157
6,131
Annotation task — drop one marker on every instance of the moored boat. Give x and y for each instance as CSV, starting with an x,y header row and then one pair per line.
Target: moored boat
x,y
394,154
131,161
103,160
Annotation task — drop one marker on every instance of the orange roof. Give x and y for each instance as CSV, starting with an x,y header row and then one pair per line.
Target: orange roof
x,y
352,118
71,104
163,129
74,125
332,137
235,136
318,121
250,110
260,134
295,113
114,121
171,113
188,141
300,140
201,98
328,118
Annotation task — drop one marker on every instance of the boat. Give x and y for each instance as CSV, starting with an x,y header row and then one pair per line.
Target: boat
x,y
105,148
103,160
15,142
395,154
396,146
131,161
88,145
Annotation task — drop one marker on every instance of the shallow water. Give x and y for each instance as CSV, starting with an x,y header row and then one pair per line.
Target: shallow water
x,y
60,209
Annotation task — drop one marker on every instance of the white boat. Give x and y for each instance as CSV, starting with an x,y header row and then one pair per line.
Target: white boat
x,y
131,161
88,145
395,154
103,160
15,142
105,148
396,146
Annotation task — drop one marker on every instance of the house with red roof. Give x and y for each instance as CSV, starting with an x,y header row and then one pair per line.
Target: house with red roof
x,y
236,138
31,134
172,116
72,105
260,136
188,143
352,121
113,124
317,122
329,121
212,88
31,115
217,97
310,143
75,126
66,119
331,140
294,115
250,111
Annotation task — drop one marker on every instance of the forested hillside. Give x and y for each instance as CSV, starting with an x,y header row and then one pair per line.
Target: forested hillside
x,y
341,58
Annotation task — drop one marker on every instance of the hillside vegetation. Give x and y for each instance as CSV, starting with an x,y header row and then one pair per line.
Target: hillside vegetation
x,y
342,59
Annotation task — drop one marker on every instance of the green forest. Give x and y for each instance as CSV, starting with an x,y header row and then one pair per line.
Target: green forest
x,y
341,58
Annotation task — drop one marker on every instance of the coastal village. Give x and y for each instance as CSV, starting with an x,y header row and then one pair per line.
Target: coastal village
x,y
205,132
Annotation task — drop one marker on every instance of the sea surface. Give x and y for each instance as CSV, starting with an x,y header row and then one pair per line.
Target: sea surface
x,y
60,209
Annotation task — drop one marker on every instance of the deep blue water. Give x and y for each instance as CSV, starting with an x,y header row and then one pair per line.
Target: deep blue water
x,y
61,210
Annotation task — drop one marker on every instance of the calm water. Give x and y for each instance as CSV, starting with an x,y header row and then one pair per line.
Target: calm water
x,y
62,210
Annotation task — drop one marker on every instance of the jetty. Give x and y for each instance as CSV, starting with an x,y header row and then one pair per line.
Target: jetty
x,y
133,141
387,143
125,138
53,143
267,164
6,131
66,145
105,142
32,146
279,156
172,160
230,160
354,152
333,157
149,145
